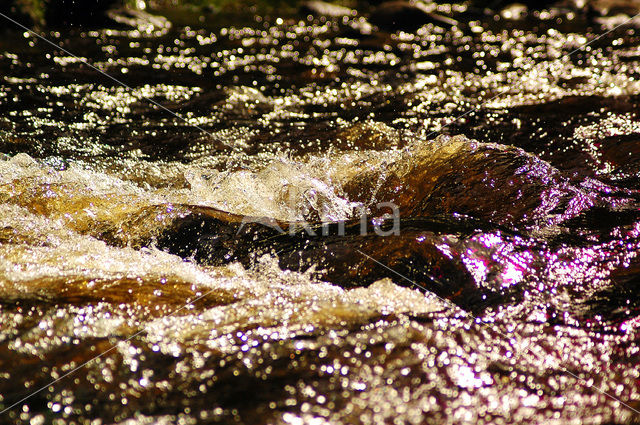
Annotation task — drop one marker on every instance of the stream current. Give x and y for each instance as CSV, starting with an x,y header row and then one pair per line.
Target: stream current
x,y
511,293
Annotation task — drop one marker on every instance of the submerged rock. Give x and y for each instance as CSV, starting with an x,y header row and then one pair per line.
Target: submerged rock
x,y
321,8
514,11
425,253
497,183
496,5
82,13
27,13
138,19
443,192
403,15
94,13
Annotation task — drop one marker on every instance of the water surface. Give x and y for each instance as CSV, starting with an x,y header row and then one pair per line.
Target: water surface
x,y
519,223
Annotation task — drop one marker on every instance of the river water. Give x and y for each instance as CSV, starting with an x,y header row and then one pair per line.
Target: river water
x,y
510,293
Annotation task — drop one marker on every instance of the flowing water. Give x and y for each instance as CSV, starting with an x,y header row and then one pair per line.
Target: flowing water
x,y
123,228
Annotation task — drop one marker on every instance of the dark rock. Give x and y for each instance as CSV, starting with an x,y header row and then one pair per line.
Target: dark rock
x,y
341,252
26,13
402,15
451,174
443,191
614,7
321,8
97,13
496,5
78,12
208,9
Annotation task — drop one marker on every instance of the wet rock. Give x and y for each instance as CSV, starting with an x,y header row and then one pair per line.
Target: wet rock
x,y
514,11
497,5
91,13
245,102
437,187
406,16
367,135
497,183
27,13
138,19
619,301
613,7
82,13
354,253
321,8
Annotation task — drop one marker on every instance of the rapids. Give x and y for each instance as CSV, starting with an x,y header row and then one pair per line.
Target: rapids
x,y
215,261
